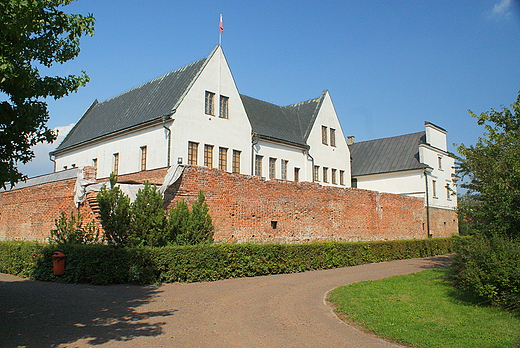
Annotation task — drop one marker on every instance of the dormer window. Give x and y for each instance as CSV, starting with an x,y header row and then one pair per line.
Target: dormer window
x,y
209,104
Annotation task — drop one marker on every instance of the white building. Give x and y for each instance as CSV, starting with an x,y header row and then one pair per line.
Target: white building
x,y
196,116
410,164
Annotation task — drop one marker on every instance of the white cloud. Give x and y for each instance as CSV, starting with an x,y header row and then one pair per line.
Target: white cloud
x,y
41,164
502,9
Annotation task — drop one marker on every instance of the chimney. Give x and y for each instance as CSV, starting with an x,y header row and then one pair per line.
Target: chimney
x,y
351,140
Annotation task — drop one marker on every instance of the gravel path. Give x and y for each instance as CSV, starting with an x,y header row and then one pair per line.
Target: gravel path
x,y
272,311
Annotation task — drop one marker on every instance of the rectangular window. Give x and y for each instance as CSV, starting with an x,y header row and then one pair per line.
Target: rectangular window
x,y
342,177
440,162
316,173
115,168
283,169
332,137
272,168
143,158
209,107
448,192
224,102
434,188
236,161
324,135
354,183
193,150
325,174
333,176
296,174
222,158
258,165
94,164
208,156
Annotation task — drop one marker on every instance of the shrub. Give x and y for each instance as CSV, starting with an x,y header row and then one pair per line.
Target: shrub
x,y
104,264
73,231
147,218
190,228
114,211
490,267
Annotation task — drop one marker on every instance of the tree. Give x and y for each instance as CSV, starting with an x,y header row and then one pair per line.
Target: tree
x,y
147,218
492,167
114,211
33,34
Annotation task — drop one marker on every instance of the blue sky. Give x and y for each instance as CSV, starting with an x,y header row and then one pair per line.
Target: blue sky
x,y
388,65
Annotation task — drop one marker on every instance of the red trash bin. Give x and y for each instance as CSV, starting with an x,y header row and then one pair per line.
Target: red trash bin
x,y
58,262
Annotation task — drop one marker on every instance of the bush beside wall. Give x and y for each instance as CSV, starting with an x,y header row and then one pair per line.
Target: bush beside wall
x,y
102,264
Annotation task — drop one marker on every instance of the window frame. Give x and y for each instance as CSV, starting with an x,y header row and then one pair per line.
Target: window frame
x,y
258,165
332,133
236,161
272,168
224,107
209,103
144,153
222,158
208,155
115,163
325,175
324,140
193,153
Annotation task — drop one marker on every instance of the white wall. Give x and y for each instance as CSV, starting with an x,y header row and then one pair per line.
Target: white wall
x,y
408,183
337,157
192,124
127,145
294,156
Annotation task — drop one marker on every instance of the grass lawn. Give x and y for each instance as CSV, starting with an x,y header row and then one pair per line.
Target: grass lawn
x,y
423,310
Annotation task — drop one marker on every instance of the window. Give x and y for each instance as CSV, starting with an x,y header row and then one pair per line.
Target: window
x,y
236,161
325,174
193,149
94,164
296,174
208,156
115,168
324,135
272,168
283,169
222,158
434,188
332,137
354,183
439,160
258,165
224,102
333,176
448,192
143,158
316,173
342,178
209,108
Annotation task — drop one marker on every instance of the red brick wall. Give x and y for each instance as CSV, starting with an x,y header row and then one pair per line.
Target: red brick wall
x,y
246,208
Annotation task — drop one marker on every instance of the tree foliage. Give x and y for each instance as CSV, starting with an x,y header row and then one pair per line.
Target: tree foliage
x,y
114,210
147,218
34,34
72,230
492,167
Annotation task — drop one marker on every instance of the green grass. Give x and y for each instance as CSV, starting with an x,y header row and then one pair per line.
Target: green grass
x,y
423,310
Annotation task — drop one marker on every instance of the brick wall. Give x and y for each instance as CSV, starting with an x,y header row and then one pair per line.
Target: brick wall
x,y
246,208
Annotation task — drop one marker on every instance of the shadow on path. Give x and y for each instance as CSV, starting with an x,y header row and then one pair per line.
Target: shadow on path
x,y
39,314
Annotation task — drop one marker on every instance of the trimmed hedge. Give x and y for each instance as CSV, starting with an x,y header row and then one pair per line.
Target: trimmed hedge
x,y
102,264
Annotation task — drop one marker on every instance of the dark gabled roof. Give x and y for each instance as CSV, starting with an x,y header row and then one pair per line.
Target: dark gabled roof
x,y
290,123
140,105
387,155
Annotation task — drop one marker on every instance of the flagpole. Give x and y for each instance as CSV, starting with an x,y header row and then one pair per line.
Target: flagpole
x,y
220,30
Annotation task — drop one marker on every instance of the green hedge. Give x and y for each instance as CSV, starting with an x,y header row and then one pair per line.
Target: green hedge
x,y
102,264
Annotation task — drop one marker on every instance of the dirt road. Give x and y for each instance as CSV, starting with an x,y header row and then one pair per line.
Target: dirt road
x,y
271,311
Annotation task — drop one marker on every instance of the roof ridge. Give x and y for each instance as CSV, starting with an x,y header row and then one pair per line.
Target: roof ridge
x,y
392,137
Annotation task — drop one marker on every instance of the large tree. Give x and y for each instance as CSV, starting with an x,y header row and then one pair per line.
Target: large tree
x,y
492,167
34,34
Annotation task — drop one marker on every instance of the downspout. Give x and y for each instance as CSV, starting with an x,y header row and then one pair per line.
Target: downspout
x,y
254,141
53,160
312,159
427,170
164,119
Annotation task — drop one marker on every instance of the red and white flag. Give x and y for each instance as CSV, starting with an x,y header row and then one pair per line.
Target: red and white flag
x,y
220,25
